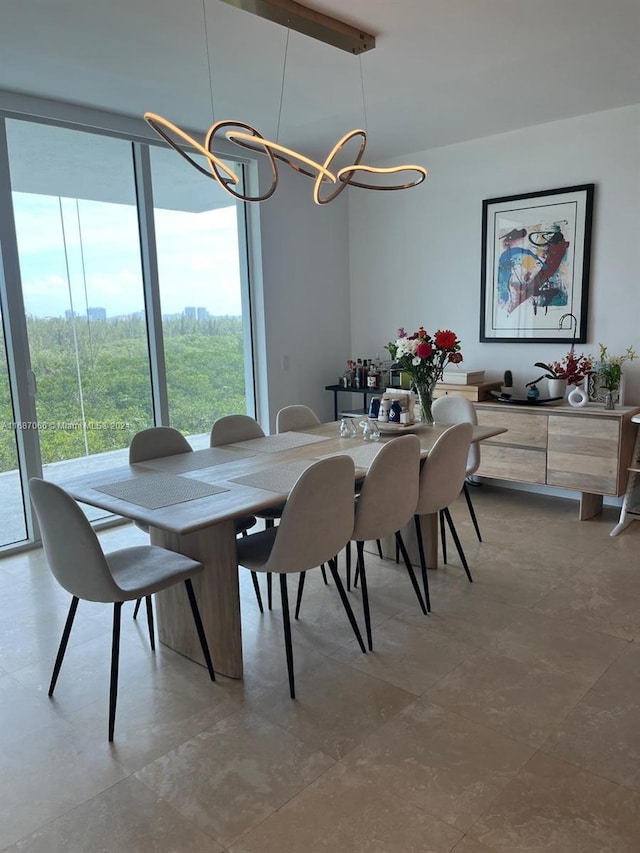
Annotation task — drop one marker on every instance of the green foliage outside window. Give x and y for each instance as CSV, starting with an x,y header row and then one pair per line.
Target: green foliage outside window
x,y
205,379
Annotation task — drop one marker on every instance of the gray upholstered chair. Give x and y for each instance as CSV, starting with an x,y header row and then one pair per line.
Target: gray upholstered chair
x,y
156,443
232,428
383,508
456,409
296,417
301,417
316,523
79,564
441,478
287,419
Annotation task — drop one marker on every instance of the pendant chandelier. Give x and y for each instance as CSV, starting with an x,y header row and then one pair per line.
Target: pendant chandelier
x,y
329,181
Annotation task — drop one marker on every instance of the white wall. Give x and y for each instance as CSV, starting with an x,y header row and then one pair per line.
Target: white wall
x,y
415,255
305,268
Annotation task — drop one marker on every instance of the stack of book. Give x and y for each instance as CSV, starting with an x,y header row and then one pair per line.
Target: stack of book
x,y
454,376
467,383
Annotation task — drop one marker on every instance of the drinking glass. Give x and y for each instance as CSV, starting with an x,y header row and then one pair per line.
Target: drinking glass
x,y
370,431
347,428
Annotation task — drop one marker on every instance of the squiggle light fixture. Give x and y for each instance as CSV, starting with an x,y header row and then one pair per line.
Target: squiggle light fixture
x,y
331,31
254,141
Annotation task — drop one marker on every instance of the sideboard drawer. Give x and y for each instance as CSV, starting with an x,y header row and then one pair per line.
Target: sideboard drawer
x,y
524,430
512,463
583,454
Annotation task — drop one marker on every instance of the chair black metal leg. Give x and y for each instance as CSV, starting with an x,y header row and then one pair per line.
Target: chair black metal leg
x,y
301,580
379,544
365,593
458,545
268,524
115,659
346,605
412,575
199,628
443,536
287,634
324,574
256,586
136,608
423,562
472,511
397,554
348,562
152,639
63,643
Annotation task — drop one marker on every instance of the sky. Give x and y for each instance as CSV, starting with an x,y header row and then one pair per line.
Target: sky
x,y
64,243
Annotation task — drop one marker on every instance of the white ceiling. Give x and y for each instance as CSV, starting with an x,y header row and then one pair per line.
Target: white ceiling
x,y
443,71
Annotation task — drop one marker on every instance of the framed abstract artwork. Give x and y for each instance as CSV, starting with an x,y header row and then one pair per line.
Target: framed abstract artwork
x,y
536,252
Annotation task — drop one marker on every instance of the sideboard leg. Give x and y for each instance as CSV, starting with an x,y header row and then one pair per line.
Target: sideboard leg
x,y
590,505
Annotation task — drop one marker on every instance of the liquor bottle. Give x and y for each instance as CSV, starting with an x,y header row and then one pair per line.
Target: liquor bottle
x,y
373,378
359,373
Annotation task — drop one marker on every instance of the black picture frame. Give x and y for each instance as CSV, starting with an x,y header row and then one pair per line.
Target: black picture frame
x,y
536,253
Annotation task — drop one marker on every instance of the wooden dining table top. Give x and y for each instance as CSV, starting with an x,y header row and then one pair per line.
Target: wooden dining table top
x,y
266,468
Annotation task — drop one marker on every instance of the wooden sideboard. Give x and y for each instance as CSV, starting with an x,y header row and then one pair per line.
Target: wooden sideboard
x,y
587,449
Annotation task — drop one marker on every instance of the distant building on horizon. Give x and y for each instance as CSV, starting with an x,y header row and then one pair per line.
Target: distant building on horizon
x,y
97,313
196,313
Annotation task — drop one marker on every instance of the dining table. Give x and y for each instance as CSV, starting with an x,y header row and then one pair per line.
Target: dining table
x,y
190,501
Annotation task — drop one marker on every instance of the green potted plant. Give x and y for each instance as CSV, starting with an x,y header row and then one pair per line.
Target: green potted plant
x,y
609,369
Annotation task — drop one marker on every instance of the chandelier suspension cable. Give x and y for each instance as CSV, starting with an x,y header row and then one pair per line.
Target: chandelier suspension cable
x,y
206,41
284,71
255,142
346,174
365,123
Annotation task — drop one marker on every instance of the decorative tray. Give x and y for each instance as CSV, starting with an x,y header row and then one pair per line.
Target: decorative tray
x,y
523,401
385,427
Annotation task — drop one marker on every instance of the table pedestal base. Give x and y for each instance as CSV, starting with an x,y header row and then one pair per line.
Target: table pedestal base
x,y
217,593
429,527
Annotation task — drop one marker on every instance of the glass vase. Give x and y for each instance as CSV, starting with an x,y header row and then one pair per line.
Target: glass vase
x,y
609,402
424,392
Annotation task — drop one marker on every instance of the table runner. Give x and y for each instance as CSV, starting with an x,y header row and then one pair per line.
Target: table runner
x,y
154,491
197,460
284,441
362,454
281,479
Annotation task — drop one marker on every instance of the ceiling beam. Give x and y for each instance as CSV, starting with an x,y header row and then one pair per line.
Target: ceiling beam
x,y
296,17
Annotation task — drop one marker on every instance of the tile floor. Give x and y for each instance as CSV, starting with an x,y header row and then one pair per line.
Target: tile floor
x,y
508,720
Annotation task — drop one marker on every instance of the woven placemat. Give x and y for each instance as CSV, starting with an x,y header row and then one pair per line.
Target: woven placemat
x,y
280,479
362,455
153,491
284,441
197,460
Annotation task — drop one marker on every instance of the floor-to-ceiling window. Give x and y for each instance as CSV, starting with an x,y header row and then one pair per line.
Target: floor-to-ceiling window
x,y
79,251
99,372
13,527
199,271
